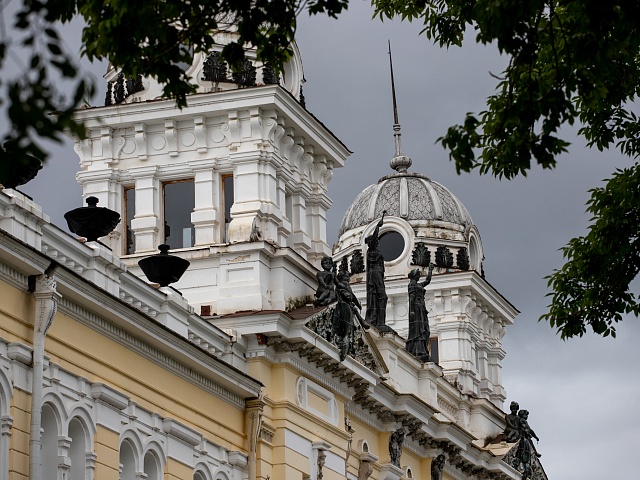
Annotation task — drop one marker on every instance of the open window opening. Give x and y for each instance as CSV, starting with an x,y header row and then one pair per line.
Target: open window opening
x,y
129,213
178,204
433,349
227,199
127,458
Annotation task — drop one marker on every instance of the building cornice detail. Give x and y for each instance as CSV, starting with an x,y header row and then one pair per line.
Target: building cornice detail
x,y
144,349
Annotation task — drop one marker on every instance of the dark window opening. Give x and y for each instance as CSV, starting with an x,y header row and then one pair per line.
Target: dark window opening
x,y
391,245
228,197
179,202
433,349
129,213
288,207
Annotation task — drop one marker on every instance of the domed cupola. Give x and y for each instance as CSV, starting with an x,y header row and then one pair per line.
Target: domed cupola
x,y
424,222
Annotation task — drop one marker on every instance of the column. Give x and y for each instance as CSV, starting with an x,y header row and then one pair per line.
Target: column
x,y
47,298
5,435
253,420
64,462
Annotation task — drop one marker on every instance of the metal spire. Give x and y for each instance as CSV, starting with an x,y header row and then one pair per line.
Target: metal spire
x,y
399,162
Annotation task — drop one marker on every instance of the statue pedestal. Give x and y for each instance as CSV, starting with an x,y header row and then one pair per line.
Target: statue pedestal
x,y
383,328
389,471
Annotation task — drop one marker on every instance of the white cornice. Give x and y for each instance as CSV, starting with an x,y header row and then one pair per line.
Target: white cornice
x,y
214,104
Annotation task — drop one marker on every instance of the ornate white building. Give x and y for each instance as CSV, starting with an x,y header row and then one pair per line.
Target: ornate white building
x,y
234,373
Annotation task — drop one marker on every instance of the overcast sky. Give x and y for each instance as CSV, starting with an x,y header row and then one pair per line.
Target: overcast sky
x,y
583,393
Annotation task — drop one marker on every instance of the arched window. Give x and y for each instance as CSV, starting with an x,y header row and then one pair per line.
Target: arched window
x,y
49,442
77,451
152,466
202,472
127,461
5,426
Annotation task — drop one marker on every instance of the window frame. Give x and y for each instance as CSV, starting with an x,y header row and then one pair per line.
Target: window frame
x,y
163,184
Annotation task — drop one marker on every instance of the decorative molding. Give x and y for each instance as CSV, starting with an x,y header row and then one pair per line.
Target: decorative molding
x,y
311,373
184,433
366,418
13,277
108,395
124,338
304,386
20,353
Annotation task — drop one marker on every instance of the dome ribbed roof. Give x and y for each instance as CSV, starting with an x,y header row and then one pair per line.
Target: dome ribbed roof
x,y
410,196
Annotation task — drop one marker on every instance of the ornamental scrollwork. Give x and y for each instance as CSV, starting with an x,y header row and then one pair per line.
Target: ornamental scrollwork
x,y
214,68
246,76
462,258
444,257
357,262
270,75
344,266
353,345
421,255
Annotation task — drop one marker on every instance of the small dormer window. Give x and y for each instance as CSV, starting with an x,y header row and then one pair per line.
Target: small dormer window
x,y
178,204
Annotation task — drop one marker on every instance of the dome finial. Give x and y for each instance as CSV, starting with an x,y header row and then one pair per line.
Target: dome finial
x,y
400,163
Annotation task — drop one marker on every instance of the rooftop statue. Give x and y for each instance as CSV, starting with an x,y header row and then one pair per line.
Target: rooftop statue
x,y
396,439
512,421
437,465
419,332
523,460
326,292
525,430
376,294
342,322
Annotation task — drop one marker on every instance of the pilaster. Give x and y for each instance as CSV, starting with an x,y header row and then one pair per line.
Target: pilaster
x,y
146,222
206,216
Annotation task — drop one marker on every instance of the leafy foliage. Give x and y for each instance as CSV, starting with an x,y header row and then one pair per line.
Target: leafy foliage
x,y
593,286
154,38
569,60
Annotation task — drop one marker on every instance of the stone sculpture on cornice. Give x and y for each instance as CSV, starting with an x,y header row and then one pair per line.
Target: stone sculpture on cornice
x,y
512,422
396,439
326,292
376,293
419,332
437,465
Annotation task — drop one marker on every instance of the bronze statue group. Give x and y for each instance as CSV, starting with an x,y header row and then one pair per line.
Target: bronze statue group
x,y
334,287
517,429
